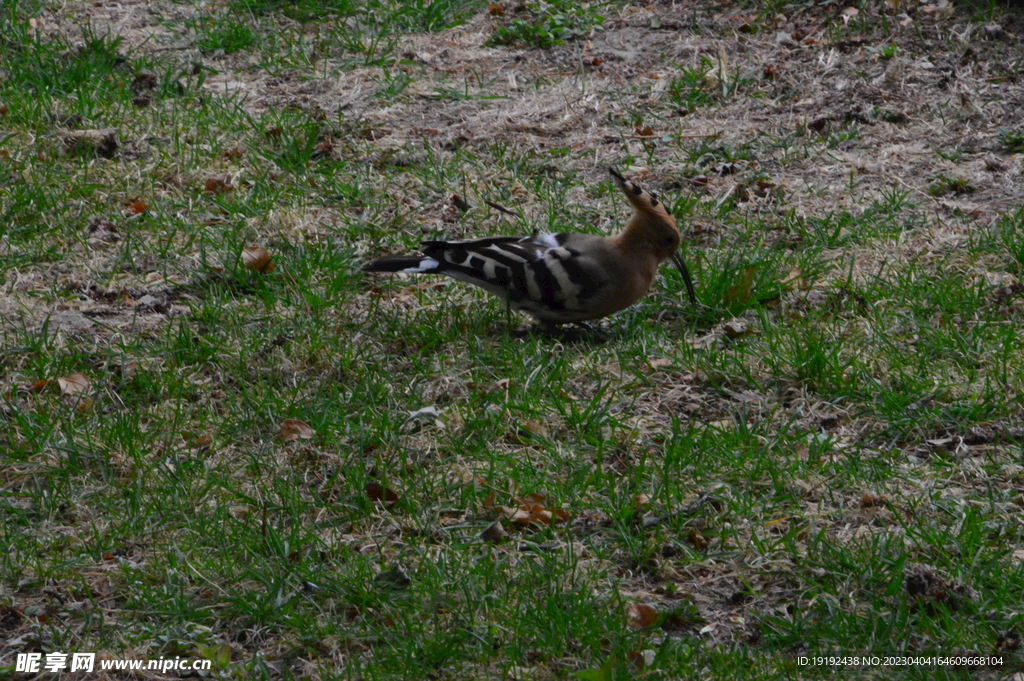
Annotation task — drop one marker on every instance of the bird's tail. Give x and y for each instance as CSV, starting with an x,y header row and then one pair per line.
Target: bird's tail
x,y
401,263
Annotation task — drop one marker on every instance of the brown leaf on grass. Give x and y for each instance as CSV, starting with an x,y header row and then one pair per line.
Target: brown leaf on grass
x,y
74,384
537,427
293,429
488,502
377,492
642,659
219,184
736,328
496,9
660,362
494,533
696,540
36,386
532,510
234,153
194,441
421,418
459,203
740,293
641,616
818,124
84,405
325,148
793,280
137,206
256,259
869,499
500,384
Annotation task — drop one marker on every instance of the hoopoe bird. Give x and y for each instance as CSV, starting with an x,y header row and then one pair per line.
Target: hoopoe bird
x,y
561,278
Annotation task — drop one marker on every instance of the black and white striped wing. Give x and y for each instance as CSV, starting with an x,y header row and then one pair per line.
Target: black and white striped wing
x,y
538,275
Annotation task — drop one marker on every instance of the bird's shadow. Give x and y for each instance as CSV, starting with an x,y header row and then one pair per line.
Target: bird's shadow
x,y
575,334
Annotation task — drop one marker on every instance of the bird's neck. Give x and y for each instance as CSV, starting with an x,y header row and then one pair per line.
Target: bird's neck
x,y
636,238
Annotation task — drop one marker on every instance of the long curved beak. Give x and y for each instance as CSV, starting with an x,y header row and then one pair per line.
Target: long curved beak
x,y
677,259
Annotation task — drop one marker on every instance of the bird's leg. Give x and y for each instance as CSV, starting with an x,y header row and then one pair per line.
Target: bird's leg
x,y
584,326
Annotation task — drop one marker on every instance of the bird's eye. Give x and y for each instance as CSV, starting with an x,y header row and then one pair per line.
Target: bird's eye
x,y
668,241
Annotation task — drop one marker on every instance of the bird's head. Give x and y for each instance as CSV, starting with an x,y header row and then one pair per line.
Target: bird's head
x,y
651,220
653,226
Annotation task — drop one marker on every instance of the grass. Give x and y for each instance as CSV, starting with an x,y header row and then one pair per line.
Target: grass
x,y
546,24
823,458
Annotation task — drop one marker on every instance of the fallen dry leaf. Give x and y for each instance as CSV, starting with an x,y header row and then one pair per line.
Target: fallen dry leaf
x,y
740,293
293,429
532,510
494,533
696,540
427,416
137,206
74,384
869,499
197,441
501,384
256,259
643,658
641,616
219,184
537,427
84,405
707,340
793,280
377,492
736,328
36,386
